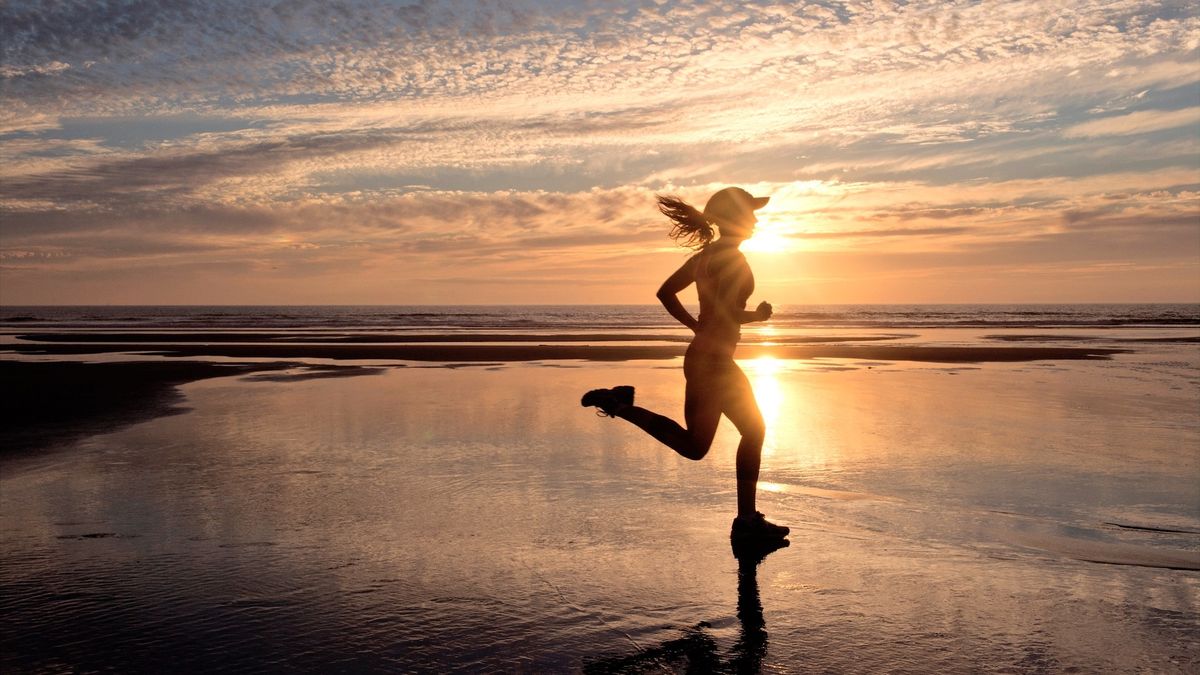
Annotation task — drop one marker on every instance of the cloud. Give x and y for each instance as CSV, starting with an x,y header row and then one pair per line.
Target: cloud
x,y
1141,122
51,68
182,172
889,232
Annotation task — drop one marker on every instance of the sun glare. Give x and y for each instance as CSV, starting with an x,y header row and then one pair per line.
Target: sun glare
x,y
776,222
766,242
768,238
764,378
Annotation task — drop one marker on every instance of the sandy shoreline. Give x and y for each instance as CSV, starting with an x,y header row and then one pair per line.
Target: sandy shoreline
x,y
54,402
46,403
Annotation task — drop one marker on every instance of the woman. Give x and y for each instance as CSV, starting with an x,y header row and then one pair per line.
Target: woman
x,y
715,384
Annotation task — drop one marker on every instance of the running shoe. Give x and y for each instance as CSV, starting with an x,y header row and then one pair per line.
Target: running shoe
x,y
608,400
756,527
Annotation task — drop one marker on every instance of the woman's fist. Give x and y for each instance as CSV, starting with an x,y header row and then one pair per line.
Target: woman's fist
x,y
764,311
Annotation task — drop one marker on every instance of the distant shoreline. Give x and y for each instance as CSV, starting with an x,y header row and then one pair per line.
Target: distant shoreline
x,y
587,318
548,352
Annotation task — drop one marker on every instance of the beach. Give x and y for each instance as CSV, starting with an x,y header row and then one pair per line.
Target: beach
x,y
343,273
962,499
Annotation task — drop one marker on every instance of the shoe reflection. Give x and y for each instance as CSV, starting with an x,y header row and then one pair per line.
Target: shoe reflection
x,y
748,652
696,651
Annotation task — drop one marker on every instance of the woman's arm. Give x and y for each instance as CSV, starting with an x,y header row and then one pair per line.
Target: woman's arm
x,y
761,313
668,293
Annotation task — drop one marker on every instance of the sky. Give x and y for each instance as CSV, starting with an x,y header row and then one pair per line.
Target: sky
x,y
344,152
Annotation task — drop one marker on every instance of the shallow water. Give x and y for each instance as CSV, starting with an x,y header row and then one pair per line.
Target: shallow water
x,y
976,518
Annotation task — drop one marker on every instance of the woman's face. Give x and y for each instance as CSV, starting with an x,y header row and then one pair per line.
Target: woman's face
x,y
742,229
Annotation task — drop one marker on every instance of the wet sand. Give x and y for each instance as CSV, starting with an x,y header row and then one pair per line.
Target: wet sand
x,y
58,400
948,516
48,404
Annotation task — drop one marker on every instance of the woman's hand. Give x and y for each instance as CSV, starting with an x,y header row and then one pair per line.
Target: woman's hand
x,y
764,311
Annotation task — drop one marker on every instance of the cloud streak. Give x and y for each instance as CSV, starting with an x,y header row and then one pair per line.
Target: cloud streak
x,y
1141,122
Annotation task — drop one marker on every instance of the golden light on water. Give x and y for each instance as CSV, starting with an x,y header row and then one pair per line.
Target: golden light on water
x,y
768,486
793,414
764,378
768,333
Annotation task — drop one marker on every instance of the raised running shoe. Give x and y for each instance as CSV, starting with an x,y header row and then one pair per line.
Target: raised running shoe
x,y
608,400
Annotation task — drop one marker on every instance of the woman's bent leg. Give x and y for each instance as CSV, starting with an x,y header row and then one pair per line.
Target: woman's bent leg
x,y
664,429
701,411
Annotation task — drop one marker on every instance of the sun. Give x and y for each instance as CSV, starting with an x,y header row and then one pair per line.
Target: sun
x,y
766,241
770,236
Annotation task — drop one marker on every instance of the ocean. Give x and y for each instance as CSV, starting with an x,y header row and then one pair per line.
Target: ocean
x,y
552,317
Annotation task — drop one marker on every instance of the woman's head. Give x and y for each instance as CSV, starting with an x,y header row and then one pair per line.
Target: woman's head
x,y
731,210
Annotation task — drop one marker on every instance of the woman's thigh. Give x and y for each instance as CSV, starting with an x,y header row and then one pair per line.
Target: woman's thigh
x,y
701,411
716,386
702,404
739,404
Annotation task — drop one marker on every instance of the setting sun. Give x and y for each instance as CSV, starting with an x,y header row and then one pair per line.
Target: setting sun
x,y
769,237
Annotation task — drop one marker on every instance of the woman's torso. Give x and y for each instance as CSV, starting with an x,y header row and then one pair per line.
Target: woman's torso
x,y
724,283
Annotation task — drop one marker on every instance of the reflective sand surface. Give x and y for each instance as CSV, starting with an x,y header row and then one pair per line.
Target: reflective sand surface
x,y
1020,517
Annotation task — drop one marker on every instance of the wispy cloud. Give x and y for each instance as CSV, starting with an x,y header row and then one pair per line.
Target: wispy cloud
x,y
1141,122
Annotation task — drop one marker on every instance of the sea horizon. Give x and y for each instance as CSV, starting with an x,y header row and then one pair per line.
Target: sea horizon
x,y
606,304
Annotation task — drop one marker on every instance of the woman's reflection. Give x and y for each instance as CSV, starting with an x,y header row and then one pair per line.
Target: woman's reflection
x,y
747,653
696,651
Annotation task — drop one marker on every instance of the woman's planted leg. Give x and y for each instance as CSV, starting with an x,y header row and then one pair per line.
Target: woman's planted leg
x,y
743,411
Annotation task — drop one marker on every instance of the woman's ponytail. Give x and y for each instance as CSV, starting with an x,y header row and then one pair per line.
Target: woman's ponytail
x,y
690,228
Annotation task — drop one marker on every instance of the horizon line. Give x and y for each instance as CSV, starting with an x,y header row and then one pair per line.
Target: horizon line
x,y
593,304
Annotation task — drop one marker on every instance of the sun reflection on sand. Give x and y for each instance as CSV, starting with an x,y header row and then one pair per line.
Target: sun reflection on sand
x,y
764,378
768,486
794,436
767,334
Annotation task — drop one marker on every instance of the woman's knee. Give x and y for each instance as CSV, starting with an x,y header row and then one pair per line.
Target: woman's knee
x,y
696,448
754,433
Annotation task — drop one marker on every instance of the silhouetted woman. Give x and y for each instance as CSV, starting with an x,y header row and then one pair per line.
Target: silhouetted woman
x,y
715,384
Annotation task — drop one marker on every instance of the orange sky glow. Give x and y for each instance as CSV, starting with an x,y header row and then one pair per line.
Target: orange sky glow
x,y
464,153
